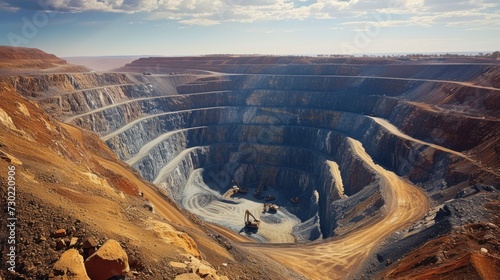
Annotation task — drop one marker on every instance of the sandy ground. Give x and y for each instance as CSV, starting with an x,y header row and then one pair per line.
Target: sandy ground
x,y
213,207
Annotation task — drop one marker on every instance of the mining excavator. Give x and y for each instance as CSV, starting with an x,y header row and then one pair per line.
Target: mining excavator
x,y
270,207
243,190
240,188
269,198
251,224
258,191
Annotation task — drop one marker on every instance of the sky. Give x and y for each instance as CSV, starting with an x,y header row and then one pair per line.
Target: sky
x,y
279,27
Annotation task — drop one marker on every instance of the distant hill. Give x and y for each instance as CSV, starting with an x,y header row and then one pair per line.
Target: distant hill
x,y
102,63
27,60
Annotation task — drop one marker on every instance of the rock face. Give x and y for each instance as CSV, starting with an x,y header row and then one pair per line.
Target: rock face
x,y
291,118
252,119
70,267
110,260
291,122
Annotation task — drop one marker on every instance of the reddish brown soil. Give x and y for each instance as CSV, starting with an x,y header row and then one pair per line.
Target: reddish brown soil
x,y
60,186
455,256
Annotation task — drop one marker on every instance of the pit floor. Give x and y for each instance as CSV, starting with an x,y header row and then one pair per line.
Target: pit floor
x,y
211,206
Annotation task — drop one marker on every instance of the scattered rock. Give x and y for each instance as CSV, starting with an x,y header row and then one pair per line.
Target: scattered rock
x,y
228,245
69,267
492,225
67,240
135,263
73,241
178,265
194,264
89,243
442,213
148,205
205,270
484,251
110,260
60,244
59,233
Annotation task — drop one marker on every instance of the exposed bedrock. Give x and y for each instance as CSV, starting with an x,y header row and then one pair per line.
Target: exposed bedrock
x,y
83,92
291,127
276,137
383,155
293,130
405,156
443,123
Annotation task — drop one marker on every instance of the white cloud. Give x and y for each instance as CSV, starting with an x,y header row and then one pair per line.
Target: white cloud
x,y
7,7
199,21
357,13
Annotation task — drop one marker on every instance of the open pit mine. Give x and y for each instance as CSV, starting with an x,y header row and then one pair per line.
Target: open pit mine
x,y
277,167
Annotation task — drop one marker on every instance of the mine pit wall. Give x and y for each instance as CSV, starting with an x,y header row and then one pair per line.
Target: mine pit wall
x,y
403,157
286,141
455,132
106,121
41,85
111,119
68,94
375,139
372,97
284,98
338,101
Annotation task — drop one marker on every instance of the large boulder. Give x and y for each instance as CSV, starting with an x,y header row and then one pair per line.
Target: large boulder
x,y
69,267
110,260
